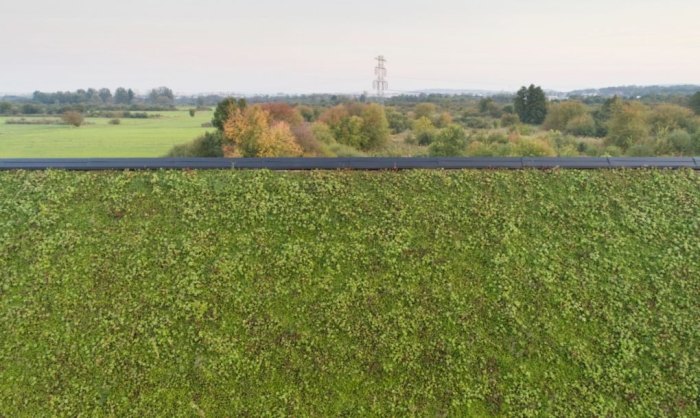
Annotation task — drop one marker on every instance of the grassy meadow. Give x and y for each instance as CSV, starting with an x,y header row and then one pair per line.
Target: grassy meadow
x,y
413,293
152,137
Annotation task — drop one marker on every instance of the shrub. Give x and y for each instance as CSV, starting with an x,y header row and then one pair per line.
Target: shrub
x,y
533,148
443,120
582,125
207,145
308,142
73,117
115,121
342,150
31,109
192,112
450,142
137,115
509,119
424,131
398,122
323,133
425,110
358,125
641,150
612,151
681,142
477,122
560,114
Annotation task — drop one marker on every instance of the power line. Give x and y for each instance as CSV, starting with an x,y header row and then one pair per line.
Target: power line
x,y
380,84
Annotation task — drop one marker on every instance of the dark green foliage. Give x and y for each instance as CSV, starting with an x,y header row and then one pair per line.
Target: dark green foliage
x,y
207,145
398,121
695,102
30,109
105,95
477,122
6,108
253,293
530,104
489,106
123,96
224,109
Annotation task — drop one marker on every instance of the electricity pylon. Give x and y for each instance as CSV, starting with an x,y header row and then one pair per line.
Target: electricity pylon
x,y
380,84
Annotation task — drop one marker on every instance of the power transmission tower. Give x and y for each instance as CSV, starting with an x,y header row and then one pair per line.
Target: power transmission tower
x,y
380,84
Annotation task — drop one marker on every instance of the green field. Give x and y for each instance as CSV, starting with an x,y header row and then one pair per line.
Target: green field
x,y
131,138
425,293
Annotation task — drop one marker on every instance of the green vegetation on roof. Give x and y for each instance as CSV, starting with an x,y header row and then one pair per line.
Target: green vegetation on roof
x,y
428,293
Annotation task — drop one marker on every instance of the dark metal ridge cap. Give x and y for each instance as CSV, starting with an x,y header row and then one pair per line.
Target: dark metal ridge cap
x,y
364,163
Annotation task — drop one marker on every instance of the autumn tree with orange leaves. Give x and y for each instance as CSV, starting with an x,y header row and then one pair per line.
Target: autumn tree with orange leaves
x,y
251,132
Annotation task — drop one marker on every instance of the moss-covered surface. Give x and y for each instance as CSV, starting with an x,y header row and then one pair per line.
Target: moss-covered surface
x,y
220,293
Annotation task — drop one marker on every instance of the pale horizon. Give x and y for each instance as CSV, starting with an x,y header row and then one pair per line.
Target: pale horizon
x,y
310,46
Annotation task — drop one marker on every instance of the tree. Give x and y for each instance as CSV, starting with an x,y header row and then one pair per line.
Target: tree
x,y
489,106
450,142
695,102
282,112
93,96
668,117
603,115
122,96
224,110
105,95
627,124
375,127
250,132
73,117
6,108
530,104
349,131
161,96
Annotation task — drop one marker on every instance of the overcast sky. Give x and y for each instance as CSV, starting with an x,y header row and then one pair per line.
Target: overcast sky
x,y
267,46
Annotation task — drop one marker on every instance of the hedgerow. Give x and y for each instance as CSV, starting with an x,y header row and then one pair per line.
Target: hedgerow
x,y
430,293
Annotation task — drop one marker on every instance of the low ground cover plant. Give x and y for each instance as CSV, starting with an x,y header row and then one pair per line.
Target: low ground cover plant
x,y
429,293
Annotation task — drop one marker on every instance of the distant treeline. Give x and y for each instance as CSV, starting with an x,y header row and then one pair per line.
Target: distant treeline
x,y
88,100
631,92
161,98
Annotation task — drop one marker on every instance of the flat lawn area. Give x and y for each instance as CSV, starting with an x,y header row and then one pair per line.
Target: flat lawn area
x,y
131,138
426,293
